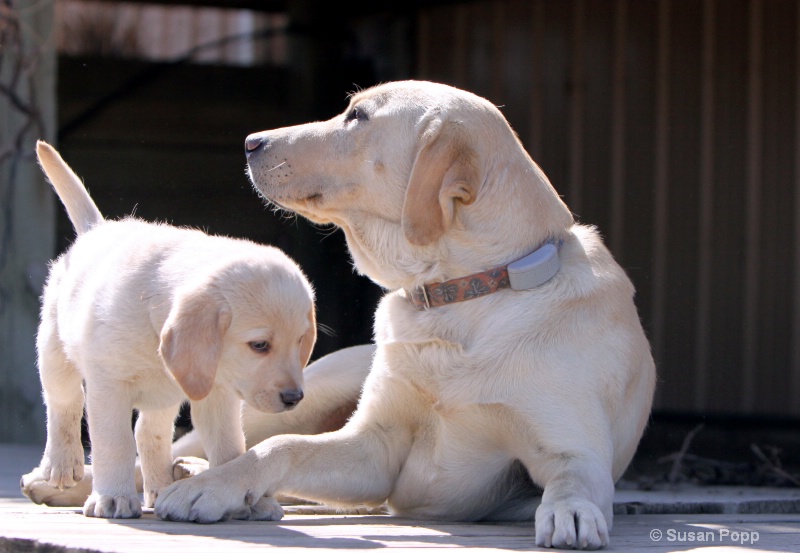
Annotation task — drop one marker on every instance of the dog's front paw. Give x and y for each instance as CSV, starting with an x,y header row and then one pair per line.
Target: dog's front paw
x,y
266,508
62,467
112,506
203,499
574,524
186,467
36,488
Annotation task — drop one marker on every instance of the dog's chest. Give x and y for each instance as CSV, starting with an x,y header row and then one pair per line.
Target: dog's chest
x,y
158,392
143,389
444,378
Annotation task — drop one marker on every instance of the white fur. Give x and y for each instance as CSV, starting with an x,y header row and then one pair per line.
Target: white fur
x,y
146,315
470,408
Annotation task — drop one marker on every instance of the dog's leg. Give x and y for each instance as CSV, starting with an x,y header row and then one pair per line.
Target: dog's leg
x,y
218,420
577,504
154,430
62,462
347,467
113,455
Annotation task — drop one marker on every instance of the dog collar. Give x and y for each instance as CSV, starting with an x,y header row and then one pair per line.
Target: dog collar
x,y
523,274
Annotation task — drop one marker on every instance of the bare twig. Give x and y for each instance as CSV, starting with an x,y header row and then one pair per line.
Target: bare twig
x,y
773,465
678,458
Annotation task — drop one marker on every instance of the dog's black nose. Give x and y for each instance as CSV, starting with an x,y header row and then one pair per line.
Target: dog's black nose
x,y
253,142
290,398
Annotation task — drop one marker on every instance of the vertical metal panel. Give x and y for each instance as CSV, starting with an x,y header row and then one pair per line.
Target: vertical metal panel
x,y
661,178
481,49
423,38
578,92
498,26
795,335
727,254
556,94
516,66
596,85
706,222
460,51
618,129
753,213
776,216
536,120
679,287
637,226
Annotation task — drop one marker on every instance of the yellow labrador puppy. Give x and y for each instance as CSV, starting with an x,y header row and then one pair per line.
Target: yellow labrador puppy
x,y
149,315
512,377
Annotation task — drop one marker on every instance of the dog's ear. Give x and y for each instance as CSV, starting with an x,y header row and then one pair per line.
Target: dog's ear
x,y
309,338
192,339
445,172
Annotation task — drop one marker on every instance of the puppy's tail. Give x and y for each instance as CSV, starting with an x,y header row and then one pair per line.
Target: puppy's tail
x,y
80,207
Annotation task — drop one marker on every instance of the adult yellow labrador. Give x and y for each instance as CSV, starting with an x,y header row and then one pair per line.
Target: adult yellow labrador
x,y
510,357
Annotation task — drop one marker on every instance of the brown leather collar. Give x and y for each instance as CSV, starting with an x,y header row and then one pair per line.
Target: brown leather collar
x,y
530,271
459,289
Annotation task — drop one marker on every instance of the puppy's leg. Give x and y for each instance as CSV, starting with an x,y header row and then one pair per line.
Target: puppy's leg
x,y
113,454
154,430
218,420
346,467
62,462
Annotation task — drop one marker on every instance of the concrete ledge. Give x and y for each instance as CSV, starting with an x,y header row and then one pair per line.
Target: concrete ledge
x,y
708,500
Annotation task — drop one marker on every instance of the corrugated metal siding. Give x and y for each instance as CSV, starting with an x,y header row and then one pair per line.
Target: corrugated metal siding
x,y
672,125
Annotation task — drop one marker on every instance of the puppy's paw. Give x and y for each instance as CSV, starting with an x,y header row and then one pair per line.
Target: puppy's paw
x,y
63,467
186,467
36,488
573,524
112,506
152,490
266,508
150,496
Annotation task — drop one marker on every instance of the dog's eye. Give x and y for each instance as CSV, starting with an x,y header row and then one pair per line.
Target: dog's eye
x,y
260,347
356,114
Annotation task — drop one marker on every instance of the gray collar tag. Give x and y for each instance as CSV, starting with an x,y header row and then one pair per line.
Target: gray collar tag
x,y
534,269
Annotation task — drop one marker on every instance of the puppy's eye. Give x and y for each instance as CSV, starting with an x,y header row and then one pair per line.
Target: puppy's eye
x,y
260,347
356,114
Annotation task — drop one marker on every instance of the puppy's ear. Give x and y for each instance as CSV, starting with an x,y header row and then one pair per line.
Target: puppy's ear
x,y
445,171
309,338
191,340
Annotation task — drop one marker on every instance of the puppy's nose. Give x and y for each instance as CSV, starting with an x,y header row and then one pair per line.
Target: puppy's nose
x,y
253,143
290,398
